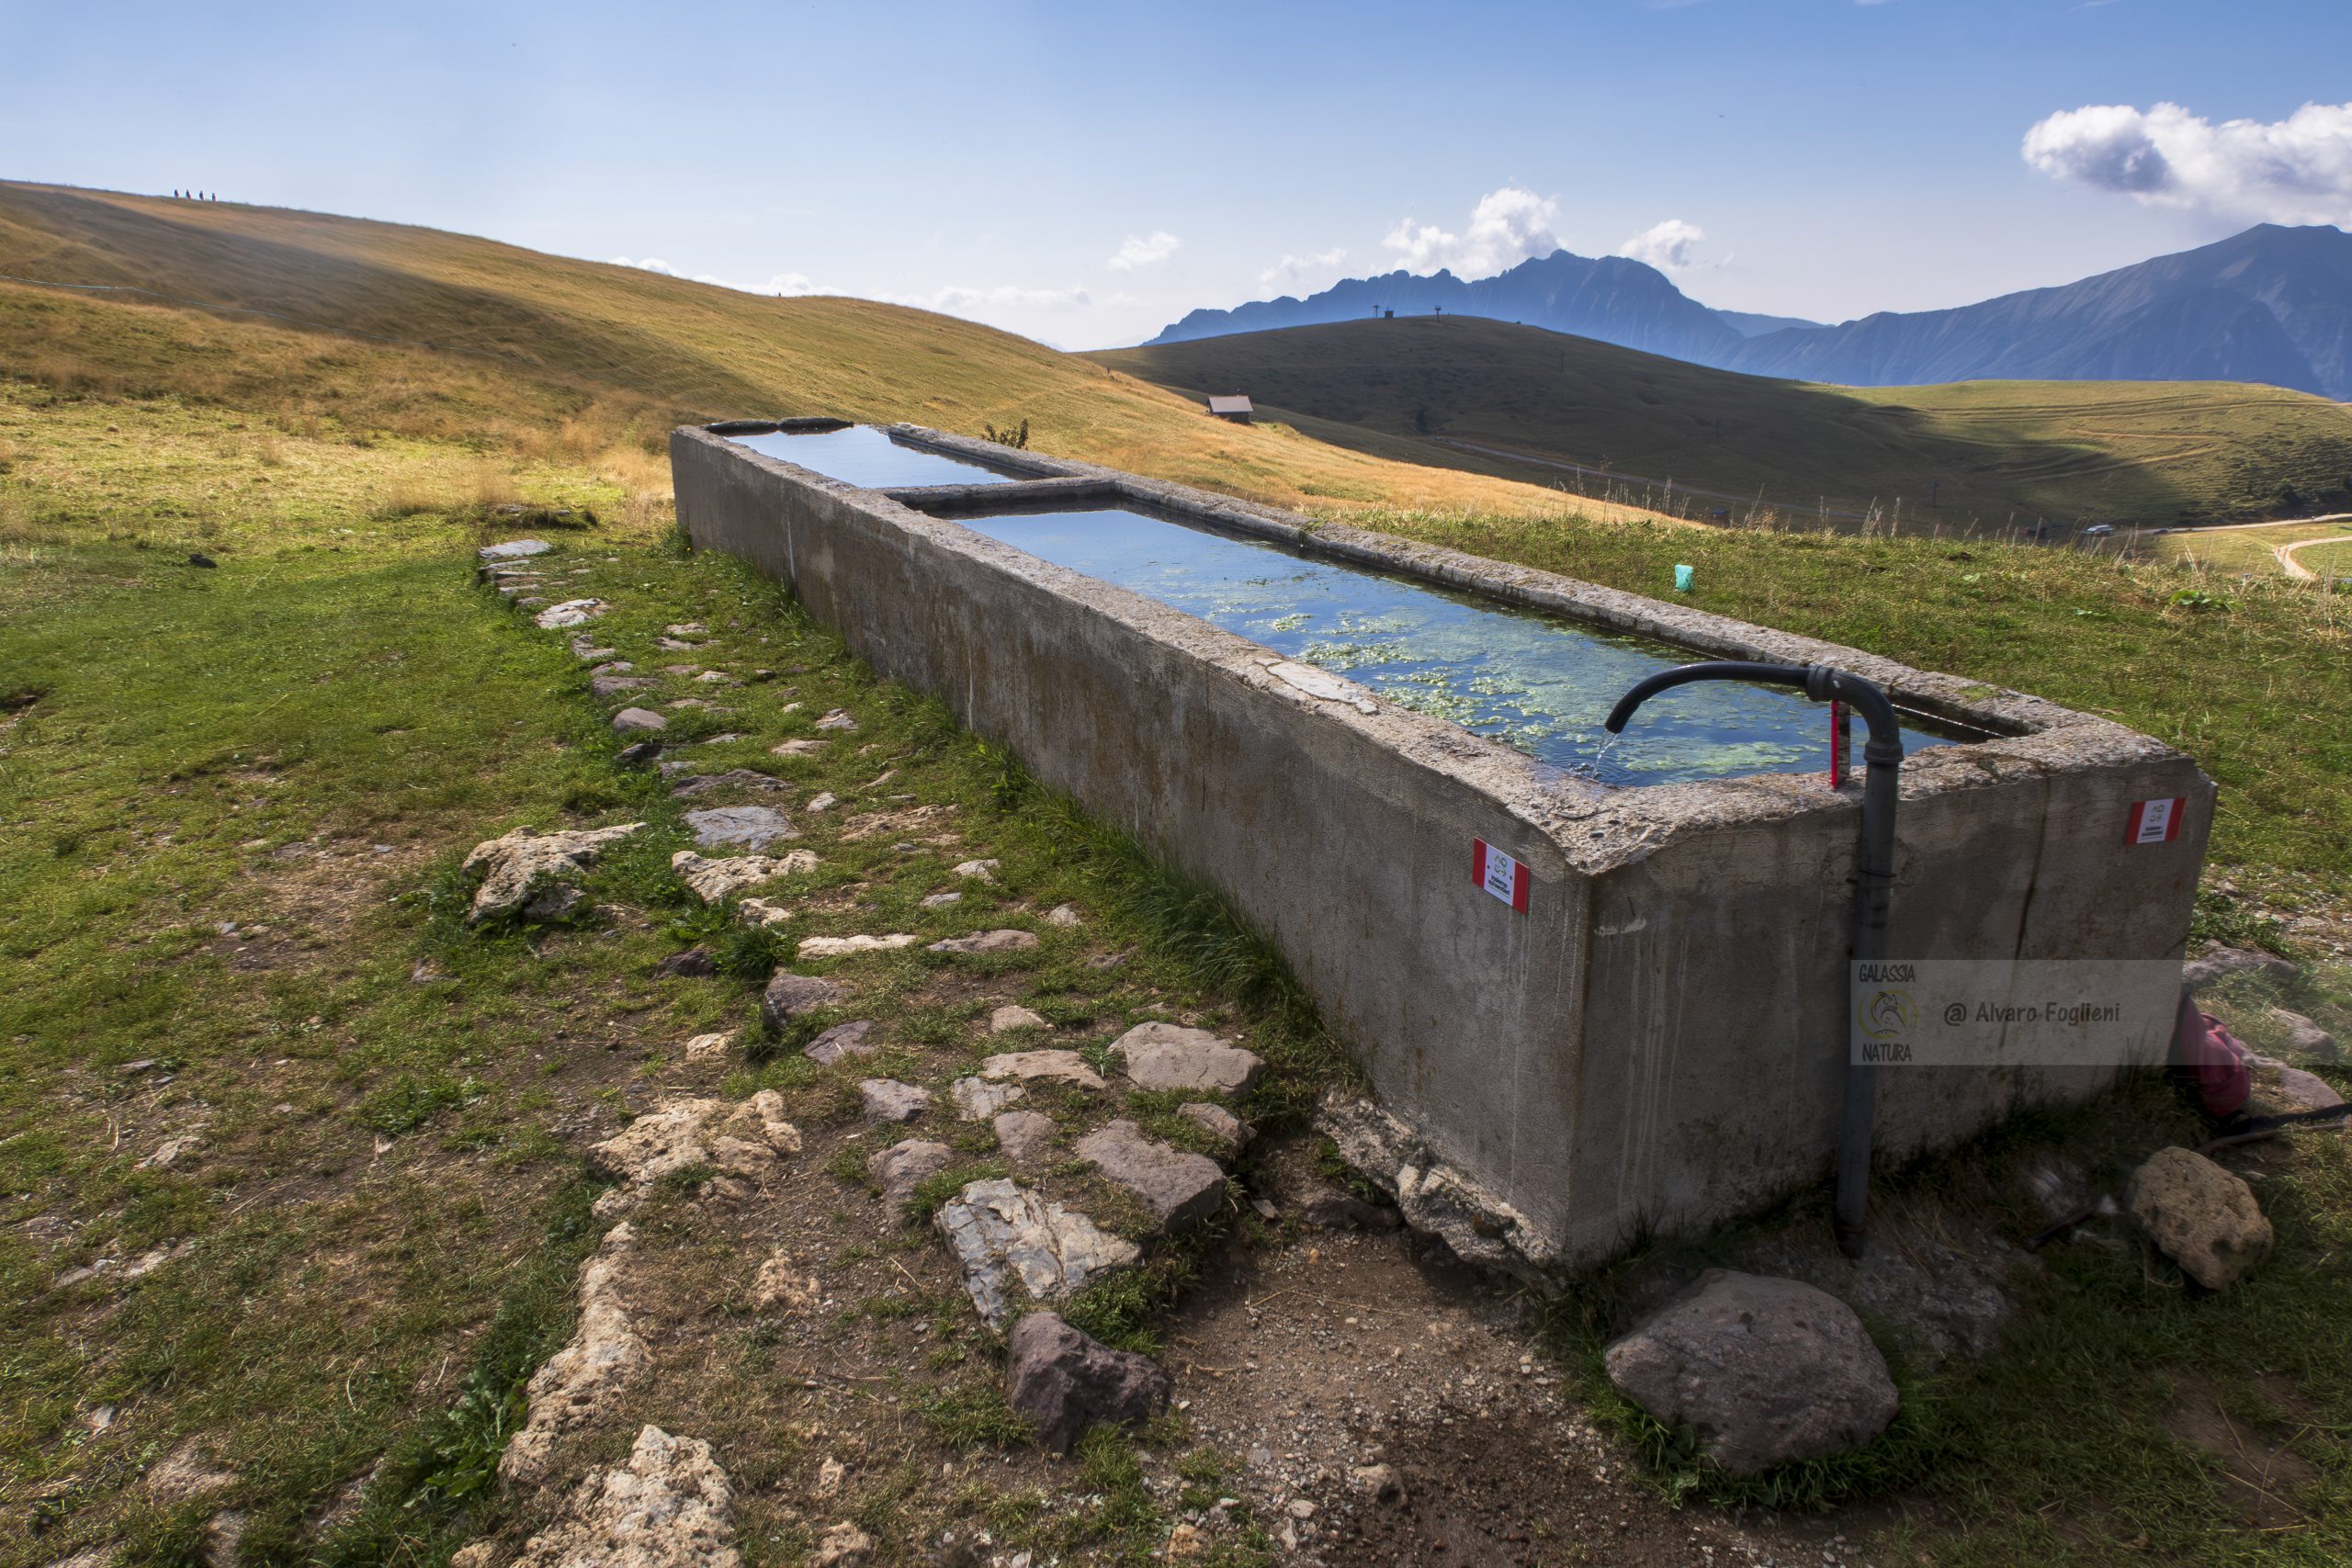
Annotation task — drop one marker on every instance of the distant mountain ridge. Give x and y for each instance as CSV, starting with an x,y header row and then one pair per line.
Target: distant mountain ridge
x,y
1612,298
2272,305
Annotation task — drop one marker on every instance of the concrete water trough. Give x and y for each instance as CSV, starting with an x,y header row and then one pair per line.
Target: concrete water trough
x,y
1647,1031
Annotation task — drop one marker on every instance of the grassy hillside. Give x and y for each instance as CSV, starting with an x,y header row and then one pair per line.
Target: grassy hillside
x,y
1501,398
449,337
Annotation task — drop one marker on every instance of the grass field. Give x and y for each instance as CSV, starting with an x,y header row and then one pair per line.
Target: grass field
x,y
1926,459
499,347
2248,551
292,1184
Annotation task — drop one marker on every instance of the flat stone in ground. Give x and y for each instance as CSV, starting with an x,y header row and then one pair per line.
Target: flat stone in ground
x,y
1006,941
1007,1017
2305,1038
1066,1382
788,996
1026,1138
1169,1057
669,1506
743,779
2223,962
849,946
570,613
514,549
977,1099
1178,1188
1003,1234
605,687
712,880
838,719
583,1381
887,1100
796,749
979,870
1218,1123
2200,1215
1764,1372
941,900
639,721
761,912
841,1041
1056,1067
902,1168
521,865
1063,915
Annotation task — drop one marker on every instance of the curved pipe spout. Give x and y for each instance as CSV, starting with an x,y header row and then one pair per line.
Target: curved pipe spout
x,y
1874,878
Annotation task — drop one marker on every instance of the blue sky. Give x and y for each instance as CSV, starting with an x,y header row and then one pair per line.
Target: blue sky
x,y
1086,173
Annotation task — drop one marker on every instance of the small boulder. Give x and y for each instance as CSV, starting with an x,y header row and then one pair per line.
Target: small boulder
x,y
887,1100
1063,915
713,880
604,688
979,870
638,754
840,1041
1025,1136
1065,1382
1765,1371
2305,1038
1380,1482
988,942
522,866
977,1099
1178,1188
1167,1057
570,613
639,721
838,719
754,827
669,1506
902,1168
695,963
1218,1123
1056,1066
2223,962
788,996
2200,1215
1010,1018
1008,1239
850,947
941,900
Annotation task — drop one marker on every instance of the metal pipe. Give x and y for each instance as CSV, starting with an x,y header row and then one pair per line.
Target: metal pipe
x,y
1874,879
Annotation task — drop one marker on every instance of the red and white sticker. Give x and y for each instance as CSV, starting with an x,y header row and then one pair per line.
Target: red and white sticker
x,y
1500,875
2156,822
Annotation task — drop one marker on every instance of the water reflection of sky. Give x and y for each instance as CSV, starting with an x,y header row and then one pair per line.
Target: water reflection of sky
x,y
1534,682
864,456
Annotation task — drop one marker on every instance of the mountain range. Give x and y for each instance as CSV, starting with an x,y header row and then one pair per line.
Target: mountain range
x,y
2272,305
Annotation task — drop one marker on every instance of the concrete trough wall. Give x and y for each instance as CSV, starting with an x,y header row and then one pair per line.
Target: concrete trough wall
x,y
1658,1043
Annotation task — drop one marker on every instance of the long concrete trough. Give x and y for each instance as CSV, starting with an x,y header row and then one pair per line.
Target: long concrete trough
x,y
1653,1038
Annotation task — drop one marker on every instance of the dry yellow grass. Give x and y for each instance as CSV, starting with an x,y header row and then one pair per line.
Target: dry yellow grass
x,y
563,360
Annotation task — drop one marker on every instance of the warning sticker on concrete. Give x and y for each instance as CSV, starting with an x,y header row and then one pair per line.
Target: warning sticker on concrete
x,y
1500,875
2154,821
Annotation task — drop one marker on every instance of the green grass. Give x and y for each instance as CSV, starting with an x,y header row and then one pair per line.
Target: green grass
x,y
2252,685
1988,452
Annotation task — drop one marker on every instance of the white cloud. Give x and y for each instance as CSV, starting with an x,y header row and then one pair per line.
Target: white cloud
x,y
2297,170
1670,246
655,264
956,301
1318,270
794,286
1140,251
1507,227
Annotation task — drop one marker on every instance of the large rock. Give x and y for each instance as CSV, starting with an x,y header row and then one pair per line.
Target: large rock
x,y
1764,1372
754,827
2200,1215
1003,1234
668,1506
522,865
1053,1066
1168,1056
902,1168
2223,962
713,881
1066,1382
1434,1197
582,1382
1177,1187
788,996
